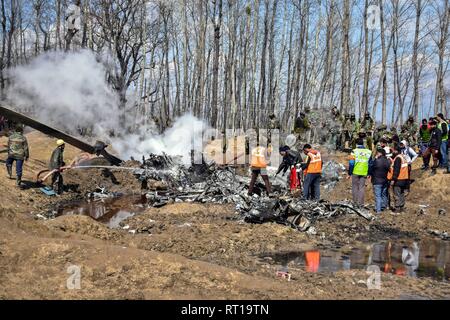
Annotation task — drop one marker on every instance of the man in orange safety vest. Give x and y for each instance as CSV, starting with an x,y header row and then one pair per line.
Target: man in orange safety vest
x,y
399,177
312,169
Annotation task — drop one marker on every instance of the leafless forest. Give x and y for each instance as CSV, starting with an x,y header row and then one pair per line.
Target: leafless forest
x,y
234,62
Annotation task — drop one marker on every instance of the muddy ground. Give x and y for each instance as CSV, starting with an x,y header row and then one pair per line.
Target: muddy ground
x,y
192,251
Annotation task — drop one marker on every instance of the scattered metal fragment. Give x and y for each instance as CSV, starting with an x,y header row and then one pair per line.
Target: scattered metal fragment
x,y
332,172
284,275
210,183
443,235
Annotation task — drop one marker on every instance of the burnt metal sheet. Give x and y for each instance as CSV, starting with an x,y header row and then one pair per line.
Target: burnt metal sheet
x,y
20,118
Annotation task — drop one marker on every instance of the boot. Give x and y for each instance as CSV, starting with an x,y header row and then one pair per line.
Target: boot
x,y
9,169
19,181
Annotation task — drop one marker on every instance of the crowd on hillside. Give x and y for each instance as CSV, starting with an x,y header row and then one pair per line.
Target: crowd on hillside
x,y
383,157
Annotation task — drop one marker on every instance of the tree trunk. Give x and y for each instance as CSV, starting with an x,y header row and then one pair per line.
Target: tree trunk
x,y
215,81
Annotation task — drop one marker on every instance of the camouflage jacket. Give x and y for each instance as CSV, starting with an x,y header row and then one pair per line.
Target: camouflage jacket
x,y
337,124
380,133
368,125
57,159
274,124
18,146
409,130
352,126
314,117
301,125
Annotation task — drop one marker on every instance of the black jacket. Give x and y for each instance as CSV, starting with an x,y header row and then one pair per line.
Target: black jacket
x,y
379,170
436,138
290,159
444,128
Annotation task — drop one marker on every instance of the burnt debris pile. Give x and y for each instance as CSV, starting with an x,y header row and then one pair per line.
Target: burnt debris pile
x,y
332,172
210,183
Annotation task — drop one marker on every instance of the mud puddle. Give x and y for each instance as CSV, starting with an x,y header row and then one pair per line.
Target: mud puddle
x,y
429,258
110,211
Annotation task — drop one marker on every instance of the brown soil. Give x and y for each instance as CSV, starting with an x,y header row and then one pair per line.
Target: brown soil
x,y
190,251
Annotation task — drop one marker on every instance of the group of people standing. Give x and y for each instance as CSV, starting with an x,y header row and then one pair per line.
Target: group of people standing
x,y
433,143
389,174
18,153
389,167
341,132
380,156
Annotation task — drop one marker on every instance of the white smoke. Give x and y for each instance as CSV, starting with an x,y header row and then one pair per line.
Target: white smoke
x,y
69,91
185,134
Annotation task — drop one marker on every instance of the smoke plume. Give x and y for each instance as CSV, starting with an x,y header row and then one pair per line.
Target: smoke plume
x,y
69,91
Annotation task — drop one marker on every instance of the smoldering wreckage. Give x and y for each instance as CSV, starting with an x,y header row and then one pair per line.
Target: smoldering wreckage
x,y
208,182
166,180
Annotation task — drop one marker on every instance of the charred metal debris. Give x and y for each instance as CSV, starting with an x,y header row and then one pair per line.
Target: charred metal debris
x,y
166,180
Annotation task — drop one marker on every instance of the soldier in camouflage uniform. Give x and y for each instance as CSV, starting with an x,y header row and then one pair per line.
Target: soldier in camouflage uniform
x,y
353,128
301,129
368,125
314,119
335,129
409,131
18,152
274,124
347,132
394,140
380,133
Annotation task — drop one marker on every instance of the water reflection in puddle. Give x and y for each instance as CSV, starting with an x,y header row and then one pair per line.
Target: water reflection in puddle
x,y
429,258
110,211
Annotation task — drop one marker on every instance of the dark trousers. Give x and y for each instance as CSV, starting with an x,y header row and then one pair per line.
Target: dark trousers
x,y
358,189
19,165
429,152
399,196
255,174
311,186
57,182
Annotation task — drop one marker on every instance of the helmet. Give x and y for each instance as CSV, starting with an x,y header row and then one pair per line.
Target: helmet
x,y
291,140
60,142
99,146
382,127
307,109
347,116
353,116
411,117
